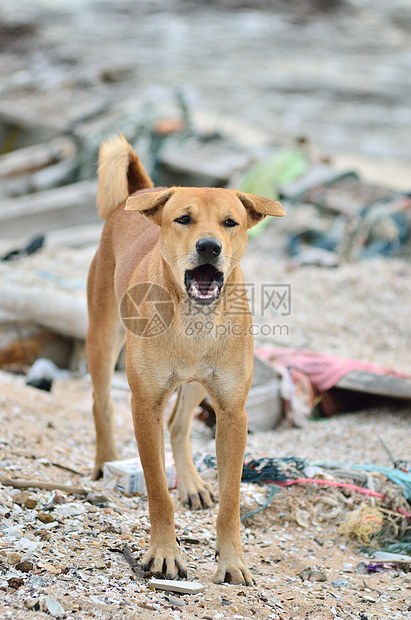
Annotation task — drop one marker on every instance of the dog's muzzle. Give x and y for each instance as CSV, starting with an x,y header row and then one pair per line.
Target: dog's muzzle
x,y
204,283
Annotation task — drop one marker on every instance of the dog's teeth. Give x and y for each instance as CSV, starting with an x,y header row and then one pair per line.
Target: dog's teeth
x,y
196,292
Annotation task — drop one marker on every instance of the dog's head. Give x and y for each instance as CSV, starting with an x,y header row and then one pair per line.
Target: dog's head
x,y
203,233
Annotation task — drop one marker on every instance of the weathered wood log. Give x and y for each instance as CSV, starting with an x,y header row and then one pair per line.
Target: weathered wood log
x,y
32,158
37,213
62,312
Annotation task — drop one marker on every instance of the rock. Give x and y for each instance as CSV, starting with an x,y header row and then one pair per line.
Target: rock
x,y
24,499
32,603
13,557
20,498
25,566
118,73
45,518
15,582
36,581
361,568
30,503
97,499
312,575
340,583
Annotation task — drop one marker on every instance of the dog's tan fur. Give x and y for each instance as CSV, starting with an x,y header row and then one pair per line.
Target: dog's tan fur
x,y
143,242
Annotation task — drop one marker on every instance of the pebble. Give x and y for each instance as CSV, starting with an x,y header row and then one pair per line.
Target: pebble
x,y
32,603
15,582
24,499
312,575
25,566
44,517
97,499
36,581
340,583
13,557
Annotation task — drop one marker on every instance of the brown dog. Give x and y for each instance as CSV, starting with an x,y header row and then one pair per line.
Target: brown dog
x,y
168,269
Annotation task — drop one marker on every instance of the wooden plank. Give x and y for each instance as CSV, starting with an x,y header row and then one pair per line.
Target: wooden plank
x,y
381,385
172,585
34,214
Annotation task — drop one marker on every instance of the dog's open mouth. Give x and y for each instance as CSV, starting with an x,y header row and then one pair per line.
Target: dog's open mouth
x,y
204,283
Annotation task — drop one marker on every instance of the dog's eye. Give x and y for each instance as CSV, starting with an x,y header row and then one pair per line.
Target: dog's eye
x,y
229,223
184,219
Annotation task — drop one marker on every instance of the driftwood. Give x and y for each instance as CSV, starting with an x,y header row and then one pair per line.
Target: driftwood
x,y
40,212
62,312
381,385
20,483
32,158
134,564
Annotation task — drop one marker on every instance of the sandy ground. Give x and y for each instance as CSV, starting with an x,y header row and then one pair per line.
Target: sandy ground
x,y
340,78
77,561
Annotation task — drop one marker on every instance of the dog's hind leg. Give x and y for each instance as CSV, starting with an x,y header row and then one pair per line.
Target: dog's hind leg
x,y
105,337
192,489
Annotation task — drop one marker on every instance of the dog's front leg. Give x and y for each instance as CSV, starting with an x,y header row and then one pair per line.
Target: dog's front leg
x,y
192,489
231,438
148,411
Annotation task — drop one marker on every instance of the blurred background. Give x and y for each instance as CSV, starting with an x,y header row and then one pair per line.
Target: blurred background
x,y
334,72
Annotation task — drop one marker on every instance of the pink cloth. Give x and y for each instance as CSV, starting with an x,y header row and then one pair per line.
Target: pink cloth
x,y
325,371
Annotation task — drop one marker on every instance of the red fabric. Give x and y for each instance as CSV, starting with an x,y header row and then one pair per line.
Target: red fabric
x,y
324,370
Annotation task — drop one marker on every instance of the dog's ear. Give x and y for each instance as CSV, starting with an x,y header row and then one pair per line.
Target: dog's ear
x,y
149,204
258,208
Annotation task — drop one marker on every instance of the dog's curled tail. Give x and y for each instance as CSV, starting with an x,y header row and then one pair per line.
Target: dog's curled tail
x,y
120,173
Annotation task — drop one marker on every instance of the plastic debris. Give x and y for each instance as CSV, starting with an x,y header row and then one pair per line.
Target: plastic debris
x,y
53,607
128,476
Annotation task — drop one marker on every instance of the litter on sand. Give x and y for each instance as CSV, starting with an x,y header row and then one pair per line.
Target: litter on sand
x,y
172,585
128,477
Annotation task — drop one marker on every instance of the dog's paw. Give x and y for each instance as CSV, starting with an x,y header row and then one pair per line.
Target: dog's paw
x,y
97,472
166,560
235,572
195,493
102,457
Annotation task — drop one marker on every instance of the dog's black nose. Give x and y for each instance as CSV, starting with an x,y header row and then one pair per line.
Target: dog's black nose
x,y
208,249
